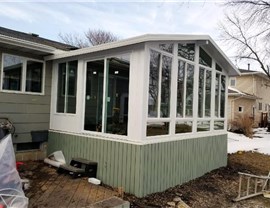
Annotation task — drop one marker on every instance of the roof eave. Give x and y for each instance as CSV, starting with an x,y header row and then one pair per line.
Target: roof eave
x,y
126,42
232,70
29,45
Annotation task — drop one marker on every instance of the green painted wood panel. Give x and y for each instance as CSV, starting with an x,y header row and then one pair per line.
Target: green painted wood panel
x,y
144,169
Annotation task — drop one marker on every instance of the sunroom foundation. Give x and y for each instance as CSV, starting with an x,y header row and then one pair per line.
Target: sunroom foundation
x,y
145,168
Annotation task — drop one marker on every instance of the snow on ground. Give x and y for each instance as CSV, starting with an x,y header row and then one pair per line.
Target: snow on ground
x,y
259,143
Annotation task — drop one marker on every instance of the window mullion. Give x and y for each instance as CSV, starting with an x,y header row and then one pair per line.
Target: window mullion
x,y
66,88
105,94
23,76
185,90
203,92
219,94
159,86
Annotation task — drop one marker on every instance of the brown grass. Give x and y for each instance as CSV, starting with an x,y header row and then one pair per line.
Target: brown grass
x,y
243,124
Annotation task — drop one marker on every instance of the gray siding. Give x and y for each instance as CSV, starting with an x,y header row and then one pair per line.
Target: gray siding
x,y
144,169
27,112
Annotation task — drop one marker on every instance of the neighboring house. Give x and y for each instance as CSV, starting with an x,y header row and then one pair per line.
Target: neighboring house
x,y
151,110
249,95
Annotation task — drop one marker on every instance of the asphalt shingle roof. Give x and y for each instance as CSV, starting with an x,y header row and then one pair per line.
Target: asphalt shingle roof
x,y
35,38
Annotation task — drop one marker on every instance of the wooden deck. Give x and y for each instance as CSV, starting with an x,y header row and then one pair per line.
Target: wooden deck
x,y
50,189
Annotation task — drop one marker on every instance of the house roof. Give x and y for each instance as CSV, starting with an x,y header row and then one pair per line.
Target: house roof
x,y
244,72
237,93
30,43
205,40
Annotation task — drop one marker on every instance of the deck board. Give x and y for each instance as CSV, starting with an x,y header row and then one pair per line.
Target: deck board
x,y
50,189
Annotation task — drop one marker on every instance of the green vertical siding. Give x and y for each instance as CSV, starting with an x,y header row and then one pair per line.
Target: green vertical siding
x,y
144,169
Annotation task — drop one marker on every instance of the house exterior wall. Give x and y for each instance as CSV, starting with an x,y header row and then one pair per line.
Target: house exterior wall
x,y
148,168
233,107
254,85
28,112
246,84
262,91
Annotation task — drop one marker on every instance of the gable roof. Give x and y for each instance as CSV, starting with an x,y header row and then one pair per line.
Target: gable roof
x,y
206,40
244,72
34,38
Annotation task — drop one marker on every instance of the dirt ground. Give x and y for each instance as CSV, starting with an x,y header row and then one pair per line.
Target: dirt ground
x,y
215,189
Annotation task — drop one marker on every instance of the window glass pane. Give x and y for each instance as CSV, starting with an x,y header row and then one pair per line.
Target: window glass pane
x,y
34,71
180,88
166,47
165,86
158,128
183,127
186,51
71,86
203,126
12,73
153,84
116,117
67,85
204,58
208,93
217,87
218,125
61,88
189,90
218,68
232,82
222,96
201,92
94,95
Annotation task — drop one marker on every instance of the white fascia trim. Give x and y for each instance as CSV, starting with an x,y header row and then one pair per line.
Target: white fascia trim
x,y
28,44
129,41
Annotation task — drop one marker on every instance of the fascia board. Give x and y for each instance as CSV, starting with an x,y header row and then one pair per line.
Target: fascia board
x,y
28,44
147,38
126,42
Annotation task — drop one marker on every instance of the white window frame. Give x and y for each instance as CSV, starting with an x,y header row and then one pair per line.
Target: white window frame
x,y
219,118
242,109
24,72
260,106
232,79
104,95
66,88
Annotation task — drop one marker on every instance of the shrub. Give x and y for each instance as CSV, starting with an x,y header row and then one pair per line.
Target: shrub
x,y
243,124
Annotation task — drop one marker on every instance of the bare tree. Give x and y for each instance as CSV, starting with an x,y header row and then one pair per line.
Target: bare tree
x,y
97,37
89,38
74,39
248,29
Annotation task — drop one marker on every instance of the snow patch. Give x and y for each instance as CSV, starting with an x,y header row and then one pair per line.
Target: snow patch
x,y
260,143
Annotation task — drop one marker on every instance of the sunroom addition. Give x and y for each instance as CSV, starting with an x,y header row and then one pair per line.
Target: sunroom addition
x,y
143,102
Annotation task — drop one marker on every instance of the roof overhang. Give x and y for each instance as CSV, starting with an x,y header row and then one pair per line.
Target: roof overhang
x,y
237,93
251,97
260,74
27,46
204,40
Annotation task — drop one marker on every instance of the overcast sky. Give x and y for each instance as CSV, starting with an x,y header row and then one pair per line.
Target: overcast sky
x,y
125,19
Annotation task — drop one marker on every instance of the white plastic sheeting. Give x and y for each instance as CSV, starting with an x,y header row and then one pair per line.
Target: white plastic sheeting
x,y
11,193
